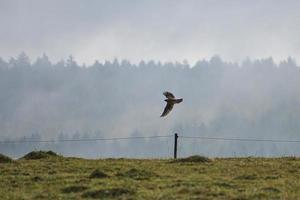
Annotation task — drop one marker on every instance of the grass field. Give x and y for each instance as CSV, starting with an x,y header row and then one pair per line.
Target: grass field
x,y
42,175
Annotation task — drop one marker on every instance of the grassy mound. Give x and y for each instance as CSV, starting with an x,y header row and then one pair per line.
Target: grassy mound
x,y
5,159
137,174
98,174
194,159
108,193
35,155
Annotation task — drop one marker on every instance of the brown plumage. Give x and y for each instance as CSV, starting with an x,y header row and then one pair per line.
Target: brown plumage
x,y
170,102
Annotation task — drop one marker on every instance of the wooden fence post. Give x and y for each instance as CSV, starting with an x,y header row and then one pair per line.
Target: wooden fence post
x,y
175,145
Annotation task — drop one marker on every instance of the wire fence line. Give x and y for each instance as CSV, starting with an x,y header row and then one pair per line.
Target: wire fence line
x,y
240,139
85,139
151,137
152,146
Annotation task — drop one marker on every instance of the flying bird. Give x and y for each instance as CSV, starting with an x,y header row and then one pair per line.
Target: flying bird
x,y
170,102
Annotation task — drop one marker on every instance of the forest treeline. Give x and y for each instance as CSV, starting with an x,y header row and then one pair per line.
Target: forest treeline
x,y
253,99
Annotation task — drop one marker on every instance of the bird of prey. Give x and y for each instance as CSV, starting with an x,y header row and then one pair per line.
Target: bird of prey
x,y
170,102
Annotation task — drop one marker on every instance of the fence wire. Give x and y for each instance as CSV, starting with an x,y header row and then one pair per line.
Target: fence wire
x,y
85,139
237,147
155,146
240,139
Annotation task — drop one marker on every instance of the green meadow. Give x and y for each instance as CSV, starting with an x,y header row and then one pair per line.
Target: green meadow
x,y
46,175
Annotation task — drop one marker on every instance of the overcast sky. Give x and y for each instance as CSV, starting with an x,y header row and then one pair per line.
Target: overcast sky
x,y
165,30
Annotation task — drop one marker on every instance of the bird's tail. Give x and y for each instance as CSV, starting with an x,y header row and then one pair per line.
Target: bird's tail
x,y
178,100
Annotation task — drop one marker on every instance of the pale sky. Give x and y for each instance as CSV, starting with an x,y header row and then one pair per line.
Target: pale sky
x,y
165,30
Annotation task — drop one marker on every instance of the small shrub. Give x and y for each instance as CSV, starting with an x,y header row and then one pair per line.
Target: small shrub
x,y
107,193
5,159
98,174
37,179
195,158
35,155
247,177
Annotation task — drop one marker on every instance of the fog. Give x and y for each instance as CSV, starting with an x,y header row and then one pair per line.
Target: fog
x,y
161,30
42,100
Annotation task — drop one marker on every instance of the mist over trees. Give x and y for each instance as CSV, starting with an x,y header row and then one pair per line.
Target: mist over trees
x,y
254,99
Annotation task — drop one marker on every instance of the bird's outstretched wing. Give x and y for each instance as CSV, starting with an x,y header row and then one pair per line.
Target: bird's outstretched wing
x,y
169,95
167,109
